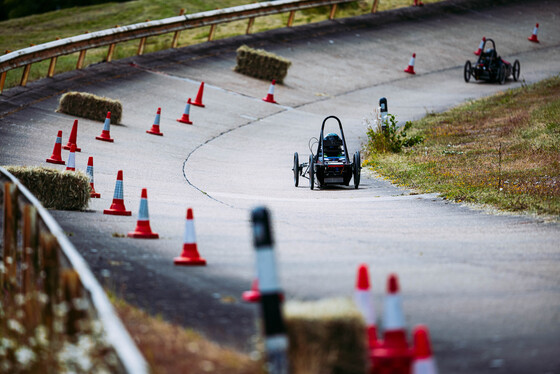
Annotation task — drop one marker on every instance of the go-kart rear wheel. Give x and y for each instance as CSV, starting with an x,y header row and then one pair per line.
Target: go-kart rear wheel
x,y
311,172
357,166
502,74
467,72
296,169
516,70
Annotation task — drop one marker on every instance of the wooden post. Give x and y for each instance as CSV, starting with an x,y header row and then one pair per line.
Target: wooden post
x,y
177,33
250,25
72,290
141,46
211,33
10,236
49,247
25,75
30,246
333,11
110,52
52,66
2,81
291,18
374,6
81,59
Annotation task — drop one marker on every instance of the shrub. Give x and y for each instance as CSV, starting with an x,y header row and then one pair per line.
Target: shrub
x,y
90,106
387,136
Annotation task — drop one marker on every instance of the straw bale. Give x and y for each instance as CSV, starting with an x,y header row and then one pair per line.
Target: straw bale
x,y
86,105
261,64
55,189
326,337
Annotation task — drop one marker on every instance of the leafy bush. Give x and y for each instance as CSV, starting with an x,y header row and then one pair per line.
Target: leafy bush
x,y
388,137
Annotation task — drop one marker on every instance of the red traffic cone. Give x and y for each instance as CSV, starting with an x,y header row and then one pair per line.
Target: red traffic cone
x,y
72,159
198,100
72,138
418,3
423,363
143,229
185,118
393,355
270,96
56,157
253,295
155,127
533,38
479,50
410,67
106,133
89,172
117,207
364,302
190,254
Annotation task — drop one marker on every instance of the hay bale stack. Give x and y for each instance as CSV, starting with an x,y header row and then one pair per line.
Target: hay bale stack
x,y
261,64
86,105
326,337
55,189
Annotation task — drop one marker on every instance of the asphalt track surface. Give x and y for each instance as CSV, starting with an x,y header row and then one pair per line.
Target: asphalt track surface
x,y
485,283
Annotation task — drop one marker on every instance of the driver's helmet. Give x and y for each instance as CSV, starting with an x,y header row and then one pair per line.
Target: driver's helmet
x,y
332,145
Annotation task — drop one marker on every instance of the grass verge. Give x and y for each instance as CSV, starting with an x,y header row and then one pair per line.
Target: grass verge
x,y
502,151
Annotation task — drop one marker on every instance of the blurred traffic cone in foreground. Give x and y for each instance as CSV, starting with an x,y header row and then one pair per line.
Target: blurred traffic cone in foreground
x,y
106,133
364,302
56,157
72,138
479,50
410,67
198,100
533,38
117,207
89,172
253,295
190,254
143,229
155,127
418,3
270,96
185,118
72,159
423,363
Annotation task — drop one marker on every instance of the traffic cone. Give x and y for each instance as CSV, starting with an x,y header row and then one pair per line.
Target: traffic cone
x,y
533,38
143,229
270,96
410,68
393,354
418,3
253,295
89,172
479,50
106,134
185,118
56,157
190,254
155,127
364,302
423,363
117,207
72,159
73,136
198,100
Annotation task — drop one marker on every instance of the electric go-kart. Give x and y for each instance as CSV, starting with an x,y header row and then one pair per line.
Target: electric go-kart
x,y
330,165
490,66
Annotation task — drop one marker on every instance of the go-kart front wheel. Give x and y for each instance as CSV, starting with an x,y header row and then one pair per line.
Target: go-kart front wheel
x,y
516,70
467,72
357,166
296,169
311,173
502,74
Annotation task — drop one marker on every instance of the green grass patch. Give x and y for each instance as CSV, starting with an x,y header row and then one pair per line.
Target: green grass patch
x,y
502,150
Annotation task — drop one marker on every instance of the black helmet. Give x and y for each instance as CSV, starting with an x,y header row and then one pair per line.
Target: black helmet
x,y
332,144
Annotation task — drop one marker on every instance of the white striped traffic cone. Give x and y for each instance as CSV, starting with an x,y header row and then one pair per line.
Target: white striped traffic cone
x,y
424,362
72,159
410,67
89,172
117,207
190,256
143,229
106,133
270,96
364,302
185,117
533,38
56,157
479,50
155,127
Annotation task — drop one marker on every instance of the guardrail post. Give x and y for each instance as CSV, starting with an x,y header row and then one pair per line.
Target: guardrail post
x,y
2,81
81,59
9,254
141,46
50,266
250,25
110,52
291,18
52,66
211,33
72,291
374,6
176,34
333,11
25,75
30,246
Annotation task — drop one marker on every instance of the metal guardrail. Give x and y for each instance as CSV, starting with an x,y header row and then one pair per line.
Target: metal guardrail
x,y
40,233
110,37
